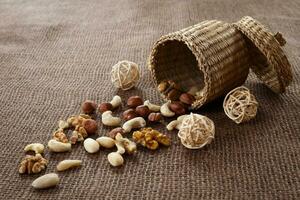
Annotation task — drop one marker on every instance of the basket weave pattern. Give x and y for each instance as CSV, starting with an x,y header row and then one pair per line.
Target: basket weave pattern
x,y
211,55
270,63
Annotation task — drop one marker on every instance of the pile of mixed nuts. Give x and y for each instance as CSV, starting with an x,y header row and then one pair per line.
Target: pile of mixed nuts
x,y
138,114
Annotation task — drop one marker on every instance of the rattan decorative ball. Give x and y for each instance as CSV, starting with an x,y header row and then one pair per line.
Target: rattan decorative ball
x,y
196,131
240,105
125,74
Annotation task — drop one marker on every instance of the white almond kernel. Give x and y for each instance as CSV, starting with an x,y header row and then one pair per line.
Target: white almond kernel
x,y
106,142
46,181
67,164
57,146
91,145
115,159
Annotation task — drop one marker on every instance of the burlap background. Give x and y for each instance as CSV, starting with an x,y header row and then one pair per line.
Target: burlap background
x,y
55,54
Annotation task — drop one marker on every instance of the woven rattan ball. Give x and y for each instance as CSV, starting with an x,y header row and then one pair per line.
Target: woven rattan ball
x,y
125,74
240,105
196,131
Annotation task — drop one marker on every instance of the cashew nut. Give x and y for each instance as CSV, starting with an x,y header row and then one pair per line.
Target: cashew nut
x,y
176,124
152,107
120,148
57,146
109,120
165,111
46,181
106,142
116,101
67,164
115,159
36,147
137,122
128,145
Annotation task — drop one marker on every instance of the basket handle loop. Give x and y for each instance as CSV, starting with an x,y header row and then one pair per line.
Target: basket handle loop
x,y
278,36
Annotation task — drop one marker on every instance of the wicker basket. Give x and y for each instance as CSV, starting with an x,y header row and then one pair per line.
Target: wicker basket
x,y
211,55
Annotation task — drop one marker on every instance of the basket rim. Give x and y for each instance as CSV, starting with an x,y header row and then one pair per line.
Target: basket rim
x,y
176,36
271,50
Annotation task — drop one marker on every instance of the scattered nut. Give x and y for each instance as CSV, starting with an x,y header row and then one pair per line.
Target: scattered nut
x,y
63,124
176,124
152,107
57,146
109,120
128,145
67,164
91,145
106,142
154,117
88,107
105,107
76,137
129,114
187,98
36,147
134,101
162,86
82,131
174,95
150,138
165,111
46,181
142,111
177,108
90,126
115,159
60,136
137,122
116,101
33,164
114,132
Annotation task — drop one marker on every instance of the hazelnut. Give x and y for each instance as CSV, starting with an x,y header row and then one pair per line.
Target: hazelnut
x,y
134,101
105,107
187,98
177,107
115,131
88,107
154,117
90,126
173,94
129,114
162,86
142,111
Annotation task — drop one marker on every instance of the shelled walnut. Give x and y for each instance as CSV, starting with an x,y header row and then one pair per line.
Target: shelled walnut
x,y
150,138
60,136
33,164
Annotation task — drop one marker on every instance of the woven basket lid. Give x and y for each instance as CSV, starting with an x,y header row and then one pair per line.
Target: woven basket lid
x,y
269,61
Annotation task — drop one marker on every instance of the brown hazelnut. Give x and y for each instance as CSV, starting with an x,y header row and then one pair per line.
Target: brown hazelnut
x,y
154,117
174,94
134,101
88,107
90,126
177,107
187,98
129,114
115,131
105,107
142,111
162,86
